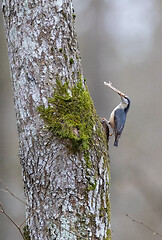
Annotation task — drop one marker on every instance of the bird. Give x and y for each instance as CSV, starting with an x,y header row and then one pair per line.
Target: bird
x,y
118,117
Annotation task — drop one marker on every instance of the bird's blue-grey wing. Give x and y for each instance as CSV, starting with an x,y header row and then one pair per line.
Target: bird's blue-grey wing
x,y
119,120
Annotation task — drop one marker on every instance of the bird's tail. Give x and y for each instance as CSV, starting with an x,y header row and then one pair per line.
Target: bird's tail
x,y
116,140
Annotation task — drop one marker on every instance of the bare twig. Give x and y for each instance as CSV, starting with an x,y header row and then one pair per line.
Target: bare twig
x,y
109,84
23,222
143,224
5,213
11,193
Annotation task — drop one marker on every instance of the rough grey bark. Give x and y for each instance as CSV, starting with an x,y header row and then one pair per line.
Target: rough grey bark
x,y
41,41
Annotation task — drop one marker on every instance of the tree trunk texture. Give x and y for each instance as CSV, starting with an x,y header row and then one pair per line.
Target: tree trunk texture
x,y
67,195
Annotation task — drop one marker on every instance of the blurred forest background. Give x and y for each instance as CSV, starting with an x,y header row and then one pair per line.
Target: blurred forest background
x,y
121,42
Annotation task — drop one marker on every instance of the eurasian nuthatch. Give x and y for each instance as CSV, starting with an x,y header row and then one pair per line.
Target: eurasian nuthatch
x,y
118,117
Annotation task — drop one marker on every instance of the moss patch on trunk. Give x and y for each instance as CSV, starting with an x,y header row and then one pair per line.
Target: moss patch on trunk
x,y
70,113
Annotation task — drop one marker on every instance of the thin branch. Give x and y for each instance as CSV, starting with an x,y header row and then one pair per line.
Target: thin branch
x,y
11,193
109,84
143,224
23,222
5,213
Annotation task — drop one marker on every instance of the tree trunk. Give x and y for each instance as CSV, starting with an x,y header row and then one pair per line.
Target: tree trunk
x,y
62,147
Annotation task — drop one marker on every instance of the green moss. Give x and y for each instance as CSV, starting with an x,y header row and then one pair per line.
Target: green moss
x,y
92,186
70,114
87,160
102,210
26,233
74,16
108,235
60,50
64,15
79,75
52,49
65,56
92,218
71,60
108,207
